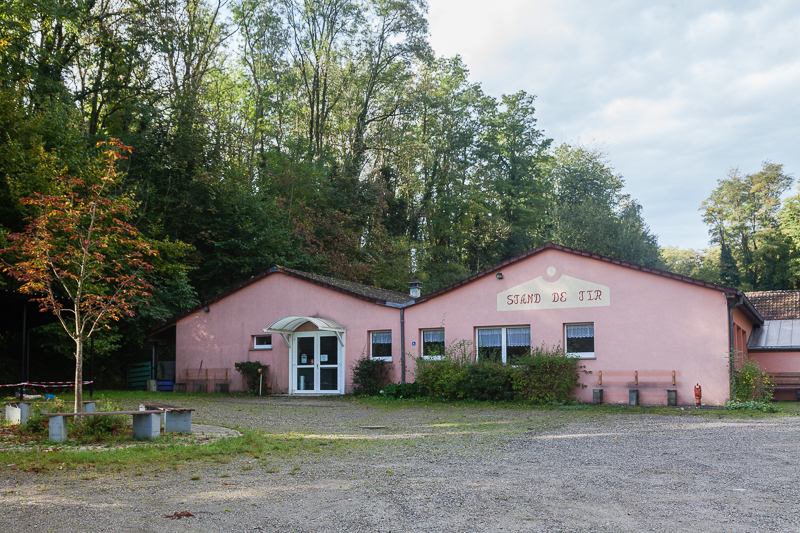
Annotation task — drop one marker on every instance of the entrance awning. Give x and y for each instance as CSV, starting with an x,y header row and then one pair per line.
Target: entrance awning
x,y
289,324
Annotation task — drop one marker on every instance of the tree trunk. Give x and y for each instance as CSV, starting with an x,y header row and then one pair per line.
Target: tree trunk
x,y
78,378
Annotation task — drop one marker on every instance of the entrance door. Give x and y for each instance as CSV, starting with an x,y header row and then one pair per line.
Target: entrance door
x,y
317,364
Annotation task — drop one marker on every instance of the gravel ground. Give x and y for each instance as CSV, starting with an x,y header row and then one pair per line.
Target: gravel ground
x,y
443,468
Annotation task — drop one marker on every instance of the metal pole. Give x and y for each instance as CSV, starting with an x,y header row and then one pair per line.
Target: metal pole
x,y
91,373
260,381
22,361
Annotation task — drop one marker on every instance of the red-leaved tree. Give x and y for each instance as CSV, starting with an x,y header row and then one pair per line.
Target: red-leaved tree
x,y
79,245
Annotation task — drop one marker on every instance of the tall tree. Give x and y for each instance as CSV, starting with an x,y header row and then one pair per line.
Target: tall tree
x,y
742,215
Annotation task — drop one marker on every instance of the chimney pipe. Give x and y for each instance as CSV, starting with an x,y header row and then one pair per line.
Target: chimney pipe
x,y
415,286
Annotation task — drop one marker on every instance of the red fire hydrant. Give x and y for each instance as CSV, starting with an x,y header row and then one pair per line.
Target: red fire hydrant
x,y
698,394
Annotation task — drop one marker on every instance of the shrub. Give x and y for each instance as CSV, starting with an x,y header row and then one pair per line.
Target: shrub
x,y
488,381
249,369
442,378
400,390
369,376
546,376
750,383
766,407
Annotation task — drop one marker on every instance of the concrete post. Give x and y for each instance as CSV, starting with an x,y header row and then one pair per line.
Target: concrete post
x,y
58,428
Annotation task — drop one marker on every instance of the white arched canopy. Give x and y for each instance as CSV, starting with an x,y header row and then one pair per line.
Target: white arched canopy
x,y
289,324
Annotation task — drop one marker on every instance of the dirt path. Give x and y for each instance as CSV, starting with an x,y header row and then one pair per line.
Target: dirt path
x,y
444,469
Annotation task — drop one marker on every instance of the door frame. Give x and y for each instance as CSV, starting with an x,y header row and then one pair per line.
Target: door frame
x,y
340,344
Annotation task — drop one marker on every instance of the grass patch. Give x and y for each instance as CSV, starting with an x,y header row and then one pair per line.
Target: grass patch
x,y
167,450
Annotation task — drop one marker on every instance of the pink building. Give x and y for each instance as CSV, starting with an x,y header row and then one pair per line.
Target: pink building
x,y
634,328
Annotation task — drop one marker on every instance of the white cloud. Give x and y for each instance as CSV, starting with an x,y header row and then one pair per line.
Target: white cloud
x,y
677,93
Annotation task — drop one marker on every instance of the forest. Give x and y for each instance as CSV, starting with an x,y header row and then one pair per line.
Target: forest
x,y
325,136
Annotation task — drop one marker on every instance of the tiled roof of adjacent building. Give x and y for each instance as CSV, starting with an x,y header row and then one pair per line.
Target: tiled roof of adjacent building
x,y
351,287
776,305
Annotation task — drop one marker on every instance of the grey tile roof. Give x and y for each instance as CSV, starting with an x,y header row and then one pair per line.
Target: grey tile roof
x,y
776,335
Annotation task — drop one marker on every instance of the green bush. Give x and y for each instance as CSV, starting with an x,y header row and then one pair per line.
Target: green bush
x,y
249,369
750,383
442,378
546,376
369,376
400,390
753,406
488,381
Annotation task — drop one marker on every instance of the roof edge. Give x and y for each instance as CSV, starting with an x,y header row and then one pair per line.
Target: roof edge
x,y
606,259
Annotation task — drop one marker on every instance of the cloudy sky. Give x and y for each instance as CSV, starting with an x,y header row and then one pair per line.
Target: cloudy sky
x,y
675,92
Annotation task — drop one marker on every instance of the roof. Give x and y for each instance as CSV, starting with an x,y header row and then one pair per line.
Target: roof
x,y
590,255
351,288
366,292
776,305
776,335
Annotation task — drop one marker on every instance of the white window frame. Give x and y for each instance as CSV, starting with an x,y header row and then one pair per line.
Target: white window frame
x,y
578,355
422,345
257,346
372,342
504,337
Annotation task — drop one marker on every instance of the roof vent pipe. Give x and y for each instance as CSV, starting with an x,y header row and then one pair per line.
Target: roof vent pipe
x,y
415,286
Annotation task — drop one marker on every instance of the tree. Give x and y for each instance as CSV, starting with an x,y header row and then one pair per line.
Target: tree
x,y
79,245
742,214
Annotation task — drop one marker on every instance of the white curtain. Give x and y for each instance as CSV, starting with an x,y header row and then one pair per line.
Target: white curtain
x,y
581,331
381,337
433,335
490,337
518,336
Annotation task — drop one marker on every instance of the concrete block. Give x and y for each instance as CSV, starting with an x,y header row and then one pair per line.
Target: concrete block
x,y
152,385
633,397
89,407
58,428
178,422
146,426
17,413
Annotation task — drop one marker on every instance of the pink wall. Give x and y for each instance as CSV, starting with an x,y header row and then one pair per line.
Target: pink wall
x,y
653,324
222,336
774,362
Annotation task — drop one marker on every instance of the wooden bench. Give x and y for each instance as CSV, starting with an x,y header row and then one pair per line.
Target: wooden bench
x,y
215,380
146,424
635,380
176,419
19,412
786,380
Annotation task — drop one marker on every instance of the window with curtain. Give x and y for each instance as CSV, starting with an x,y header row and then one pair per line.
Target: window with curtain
x,y
433,343
381,345
503,345
579,340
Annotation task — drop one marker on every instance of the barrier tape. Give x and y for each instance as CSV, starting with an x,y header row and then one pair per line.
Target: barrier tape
x,y
56,384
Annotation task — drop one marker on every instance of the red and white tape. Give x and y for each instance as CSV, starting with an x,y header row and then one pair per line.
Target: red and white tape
x,y
44,384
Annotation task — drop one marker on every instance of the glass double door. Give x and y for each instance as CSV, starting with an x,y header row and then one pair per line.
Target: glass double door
x,y
317,363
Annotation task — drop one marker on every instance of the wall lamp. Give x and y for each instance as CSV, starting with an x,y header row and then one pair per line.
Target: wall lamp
x,y
499,275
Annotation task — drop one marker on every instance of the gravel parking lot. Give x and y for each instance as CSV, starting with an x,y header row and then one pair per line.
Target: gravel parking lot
x,y
442,468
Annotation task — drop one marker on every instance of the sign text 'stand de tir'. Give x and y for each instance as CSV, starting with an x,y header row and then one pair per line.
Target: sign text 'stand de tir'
x,y
566,292
514,299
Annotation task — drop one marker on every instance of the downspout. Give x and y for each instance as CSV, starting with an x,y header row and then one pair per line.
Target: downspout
x,y
731,307
402,345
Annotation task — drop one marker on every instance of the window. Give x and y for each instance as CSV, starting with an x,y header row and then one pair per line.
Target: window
x,y
381,345
503,345
433,343
262,342
579,340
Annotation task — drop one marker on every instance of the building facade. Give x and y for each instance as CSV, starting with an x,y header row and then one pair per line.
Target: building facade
x,y
633,328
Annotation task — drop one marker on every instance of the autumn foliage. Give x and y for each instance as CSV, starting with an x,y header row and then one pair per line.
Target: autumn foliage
x,y
79,247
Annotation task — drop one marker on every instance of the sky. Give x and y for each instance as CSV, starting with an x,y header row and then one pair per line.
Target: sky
x,y
676,93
